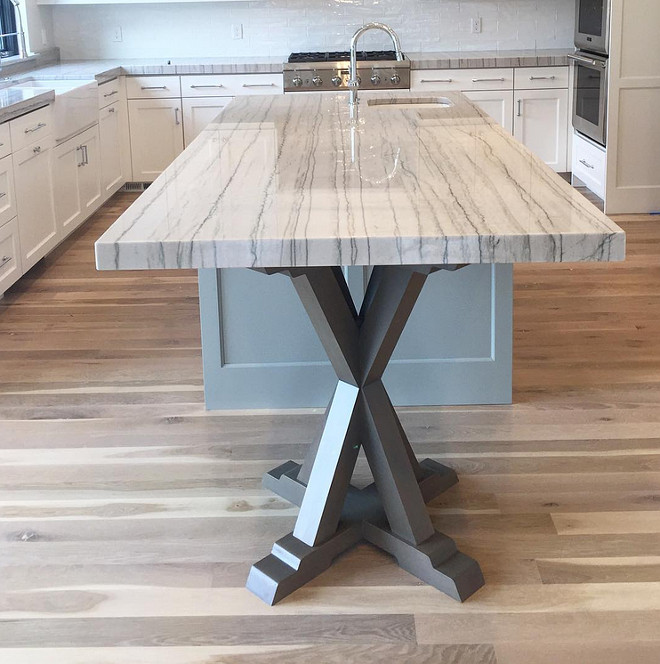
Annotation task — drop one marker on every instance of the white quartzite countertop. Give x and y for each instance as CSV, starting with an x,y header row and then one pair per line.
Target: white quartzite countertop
x,y
287,181
17,101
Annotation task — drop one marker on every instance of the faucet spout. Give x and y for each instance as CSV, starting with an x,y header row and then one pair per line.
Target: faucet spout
x,y
353,82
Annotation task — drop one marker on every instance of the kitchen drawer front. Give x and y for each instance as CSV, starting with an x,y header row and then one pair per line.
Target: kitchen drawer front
x,y
10,255
590,164
533,78
5,140
30,128
109,93
462,79
7,196
252,84
205,86
150,87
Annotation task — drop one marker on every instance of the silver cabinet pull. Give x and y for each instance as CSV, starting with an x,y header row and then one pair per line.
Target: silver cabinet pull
x,y
587,164
176,116
3,194
85,155
259,85
436,80
581,58
82,156
542,78
488,80
37,127
4,260
114,92
519,107
153,87
111,110
36,149
195,87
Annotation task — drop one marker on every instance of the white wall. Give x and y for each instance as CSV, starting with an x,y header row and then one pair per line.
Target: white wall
x,y
277,27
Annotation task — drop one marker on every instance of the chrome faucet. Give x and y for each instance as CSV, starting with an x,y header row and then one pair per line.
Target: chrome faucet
x,y
353,82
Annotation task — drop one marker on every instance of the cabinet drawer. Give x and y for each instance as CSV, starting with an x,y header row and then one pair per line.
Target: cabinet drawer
x,y
205,86
30,128
150,87
532,78
7,196
10,255
462,79
590,164
108,92
251,84
5,140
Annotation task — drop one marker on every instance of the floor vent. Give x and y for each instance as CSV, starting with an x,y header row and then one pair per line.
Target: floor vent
x,y
135,186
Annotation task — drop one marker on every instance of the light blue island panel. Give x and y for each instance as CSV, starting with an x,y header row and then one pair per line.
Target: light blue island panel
x,y
260,350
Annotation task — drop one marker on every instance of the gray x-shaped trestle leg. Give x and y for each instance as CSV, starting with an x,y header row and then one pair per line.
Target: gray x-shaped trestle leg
x,y
391,512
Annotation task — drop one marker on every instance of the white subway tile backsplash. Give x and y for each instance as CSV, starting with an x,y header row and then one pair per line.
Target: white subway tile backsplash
x,y
277,27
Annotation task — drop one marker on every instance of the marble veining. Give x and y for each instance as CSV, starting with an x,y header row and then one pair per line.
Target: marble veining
x,y
290,181
490,59
17,101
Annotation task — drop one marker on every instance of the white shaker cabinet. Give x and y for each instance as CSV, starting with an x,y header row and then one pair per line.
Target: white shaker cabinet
x,y
540,123
497,103
10,255
7,195
38,232
156,136
111,136
198,112
77,179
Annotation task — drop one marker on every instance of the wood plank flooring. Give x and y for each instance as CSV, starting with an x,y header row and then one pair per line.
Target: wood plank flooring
x,y
129,516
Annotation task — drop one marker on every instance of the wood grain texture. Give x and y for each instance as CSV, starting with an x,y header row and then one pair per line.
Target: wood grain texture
x,y
129,516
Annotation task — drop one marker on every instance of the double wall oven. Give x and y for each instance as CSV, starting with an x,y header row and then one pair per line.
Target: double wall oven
x,y
592,34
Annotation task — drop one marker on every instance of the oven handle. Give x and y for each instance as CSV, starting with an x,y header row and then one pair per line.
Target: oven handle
x,y
587,61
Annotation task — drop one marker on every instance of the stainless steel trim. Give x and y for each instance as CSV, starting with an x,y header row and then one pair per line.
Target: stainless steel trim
x,y
196,87
114,92
5,260
153,87
488,80
587,164
37,127
176,116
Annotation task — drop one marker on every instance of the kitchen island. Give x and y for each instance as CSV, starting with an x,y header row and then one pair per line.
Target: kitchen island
x,y
290,185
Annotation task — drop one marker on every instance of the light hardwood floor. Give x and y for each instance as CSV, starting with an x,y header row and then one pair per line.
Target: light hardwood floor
x,y
130,516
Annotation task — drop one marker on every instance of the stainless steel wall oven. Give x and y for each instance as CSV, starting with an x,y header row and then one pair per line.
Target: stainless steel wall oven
x,y
590,95
592,26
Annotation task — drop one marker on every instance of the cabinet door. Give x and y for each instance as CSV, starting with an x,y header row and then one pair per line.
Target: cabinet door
x,y
497,103
38,231
540,123
197,113
90,172
7,197
67,162
10,255
156,136
112,164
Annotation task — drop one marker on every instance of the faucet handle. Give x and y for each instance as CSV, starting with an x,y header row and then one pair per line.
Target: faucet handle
x,y
354,82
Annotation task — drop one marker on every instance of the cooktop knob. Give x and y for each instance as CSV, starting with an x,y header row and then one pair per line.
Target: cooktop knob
x,y
317,81
396,79
297,81
375,79
336,81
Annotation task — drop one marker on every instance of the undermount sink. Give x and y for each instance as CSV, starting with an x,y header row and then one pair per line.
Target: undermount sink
x,y
75,107
408,103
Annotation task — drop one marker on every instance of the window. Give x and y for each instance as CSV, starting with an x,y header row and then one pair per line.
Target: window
x,y
8,45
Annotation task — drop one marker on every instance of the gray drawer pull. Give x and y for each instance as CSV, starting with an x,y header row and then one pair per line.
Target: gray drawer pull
x,y
114,92
587,164
153,87
5,260
176,116
37,127
206,86
259,85
542,78
36,149
488,80
3,194
436,80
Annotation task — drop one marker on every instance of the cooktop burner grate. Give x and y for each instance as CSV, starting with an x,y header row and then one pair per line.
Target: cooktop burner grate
x,y
335,56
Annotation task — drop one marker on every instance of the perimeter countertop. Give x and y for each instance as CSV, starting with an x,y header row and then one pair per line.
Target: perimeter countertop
x,y
290,181
17,101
